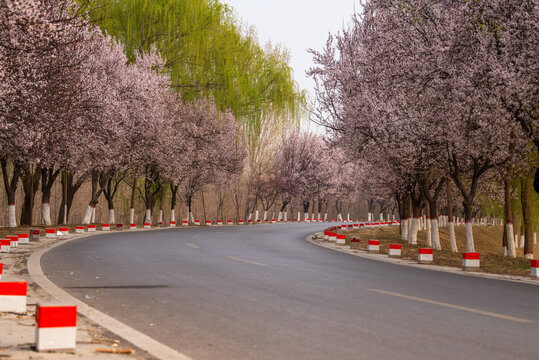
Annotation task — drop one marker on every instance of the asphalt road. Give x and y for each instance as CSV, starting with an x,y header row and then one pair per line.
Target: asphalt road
x,y
264,292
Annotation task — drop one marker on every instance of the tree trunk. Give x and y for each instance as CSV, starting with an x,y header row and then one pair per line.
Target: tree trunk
x,y
132,204
428,233
30,183
48,177
527,216
10,186
509,240
451,222
67,196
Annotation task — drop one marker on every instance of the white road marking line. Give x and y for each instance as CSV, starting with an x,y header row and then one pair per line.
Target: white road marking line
x,y
193,246
195,236
245,261
451,306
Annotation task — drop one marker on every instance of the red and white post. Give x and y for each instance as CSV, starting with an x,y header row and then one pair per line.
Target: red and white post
x,y
470,261
534,269
13,297
373,246
424,255
341,239
56,327
394,251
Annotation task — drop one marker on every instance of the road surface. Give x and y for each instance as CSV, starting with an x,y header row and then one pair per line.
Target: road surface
x,y
264,292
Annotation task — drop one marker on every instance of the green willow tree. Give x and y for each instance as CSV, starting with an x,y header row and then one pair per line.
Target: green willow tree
x,y
208,54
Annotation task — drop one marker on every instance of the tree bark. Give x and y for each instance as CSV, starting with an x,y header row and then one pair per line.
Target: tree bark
x,y
30,184
48,177
10,185
451,222
72,187
509,240
527,216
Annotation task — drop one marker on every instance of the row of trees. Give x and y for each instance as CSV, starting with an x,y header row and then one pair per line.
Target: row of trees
x,y
430,96
71,105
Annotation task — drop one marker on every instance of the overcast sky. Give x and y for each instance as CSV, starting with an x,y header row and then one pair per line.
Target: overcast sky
x,y
296,24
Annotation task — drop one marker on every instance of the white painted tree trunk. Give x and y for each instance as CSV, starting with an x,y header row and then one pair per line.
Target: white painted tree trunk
x,y
46,214
511,251
436,245
192,217
325,216
87,215
452,237
339,217
250,216
256,216
305,216
412,233
148,216
404,229
428,233
470,246
285,216
11,216
522,241
112,219
172,214
381,217
280,216
319,216
93,215
265,215
504,251
312,217
348,216
534,238
160,220
299,216
131,215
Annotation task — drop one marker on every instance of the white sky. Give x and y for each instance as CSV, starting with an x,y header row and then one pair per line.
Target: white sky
x,y
296,24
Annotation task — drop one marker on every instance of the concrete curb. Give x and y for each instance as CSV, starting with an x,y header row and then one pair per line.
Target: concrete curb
x,y
142,341
411,263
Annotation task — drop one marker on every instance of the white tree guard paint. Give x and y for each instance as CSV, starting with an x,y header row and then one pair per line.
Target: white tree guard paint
x,y
339,217
452,237
435,234
250,216
192,217
131,215
46,214
404,229
147,216
112,218
93,215
280,216
348,216
534,238
504,251
172,214
305,216
528,256
299,216
428,233
11,216
285,216
522,241
160,219
511,251
325,216
265,215
470,246
256,216
87,215
412,233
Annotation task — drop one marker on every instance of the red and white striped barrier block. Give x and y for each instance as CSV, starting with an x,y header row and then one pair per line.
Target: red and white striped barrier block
x,y
344,228
333,220
308,220
56,327
147,225
326,234
14,239
132,226
373,246
332,236
534,269
79,229
63,231
1,268
424,255
350,227
13,297
172,224
341,239
356,226
273,221
197,222
105,227
35,235
470,261
5,245
159,224
230,222
24,238
250,221
208,222
241,222
354,243
219,222
91,228
395,250
185,222
50,233
120,227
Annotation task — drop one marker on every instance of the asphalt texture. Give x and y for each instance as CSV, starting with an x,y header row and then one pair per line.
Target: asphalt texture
x,y
264,292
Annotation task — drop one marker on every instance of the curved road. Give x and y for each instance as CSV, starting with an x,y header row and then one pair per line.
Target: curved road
x,y
263,292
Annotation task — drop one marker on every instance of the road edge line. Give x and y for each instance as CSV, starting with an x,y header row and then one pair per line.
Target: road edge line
x,y
440,268
142,341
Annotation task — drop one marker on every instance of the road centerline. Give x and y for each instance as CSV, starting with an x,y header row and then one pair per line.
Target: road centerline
x,y
245,261
452,306
193,246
